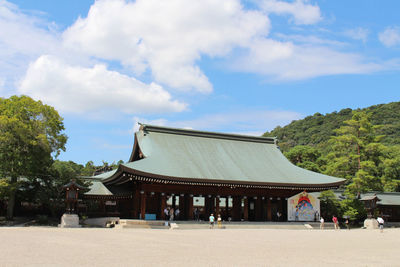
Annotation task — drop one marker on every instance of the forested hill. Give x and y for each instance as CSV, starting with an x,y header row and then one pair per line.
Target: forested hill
x,y
316,130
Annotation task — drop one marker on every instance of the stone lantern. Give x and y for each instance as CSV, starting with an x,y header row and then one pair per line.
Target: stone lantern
x,y
370,205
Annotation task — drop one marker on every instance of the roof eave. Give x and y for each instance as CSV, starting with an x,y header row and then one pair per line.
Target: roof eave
x,y
123,170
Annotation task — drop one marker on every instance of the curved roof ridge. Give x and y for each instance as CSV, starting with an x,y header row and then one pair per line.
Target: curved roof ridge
x,y
146,128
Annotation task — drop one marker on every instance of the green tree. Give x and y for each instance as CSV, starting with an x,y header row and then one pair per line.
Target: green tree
x,y
89,169
357,155
4,188
329,204
391,170
47,190
30,135
353,208
306,157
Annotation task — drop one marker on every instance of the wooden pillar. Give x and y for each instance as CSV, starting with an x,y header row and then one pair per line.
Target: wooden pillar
x,y
259,208
206,206
163,205
103,207
182,213
136,203
189,207
264,213
209,205
212,205
216,206
142,205
281,209
237,208
173,201
227,207
269,212
246,210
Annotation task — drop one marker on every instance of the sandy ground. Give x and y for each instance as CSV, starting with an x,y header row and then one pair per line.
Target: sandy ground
x,y
41,246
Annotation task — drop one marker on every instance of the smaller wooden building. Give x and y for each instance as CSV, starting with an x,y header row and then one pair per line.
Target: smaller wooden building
x,y
387,205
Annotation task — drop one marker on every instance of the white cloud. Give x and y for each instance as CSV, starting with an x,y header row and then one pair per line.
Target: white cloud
x,y
390,36
23,38
310,40
301,10
285,61
251,122
166,37
358,34
77,89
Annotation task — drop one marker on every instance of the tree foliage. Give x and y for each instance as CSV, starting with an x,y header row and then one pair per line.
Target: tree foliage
x,y
357,155
316,130
306,157
31,133
329,204
358,152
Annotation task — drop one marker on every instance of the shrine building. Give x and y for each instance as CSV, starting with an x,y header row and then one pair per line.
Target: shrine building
x,y
239,177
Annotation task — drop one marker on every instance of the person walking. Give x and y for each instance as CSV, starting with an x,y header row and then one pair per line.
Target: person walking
x,y
219,221
278,215
335,222
166,213
322,223
212,220
171,214
380,222
347,224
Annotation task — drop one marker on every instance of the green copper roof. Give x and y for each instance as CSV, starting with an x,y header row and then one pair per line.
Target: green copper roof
x,y
97,188
212,156
105,175
386,199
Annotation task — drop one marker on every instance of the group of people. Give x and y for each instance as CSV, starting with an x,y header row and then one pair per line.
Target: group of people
x,y
171,213
347,223
212,221
335,222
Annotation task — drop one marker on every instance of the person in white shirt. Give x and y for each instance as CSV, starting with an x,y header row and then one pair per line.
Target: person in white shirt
x,y
322,222
380,222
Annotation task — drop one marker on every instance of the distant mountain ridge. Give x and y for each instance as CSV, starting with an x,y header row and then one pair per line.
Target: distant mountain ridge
x,y
316,130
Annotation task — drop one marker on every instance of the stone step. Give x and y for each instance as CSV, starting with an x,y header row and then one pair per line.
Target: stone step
x,y
240,225
316,225
182,225
142,224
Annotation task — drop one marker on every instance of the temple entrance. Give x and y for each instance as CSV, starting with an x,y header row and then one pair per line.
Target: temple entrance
x,y
198,207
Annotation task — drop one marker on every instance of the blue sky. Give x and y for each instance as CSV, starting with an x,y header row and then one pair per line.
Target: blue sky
x,y
228,66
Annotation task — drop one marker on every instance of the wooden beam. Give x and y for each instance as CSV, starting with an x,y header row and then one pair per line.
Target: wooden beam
x,y
213,190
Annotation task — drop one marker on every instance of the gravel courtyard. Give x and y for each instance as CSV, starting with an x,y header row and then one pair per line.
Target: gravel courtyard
x,y
42,246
